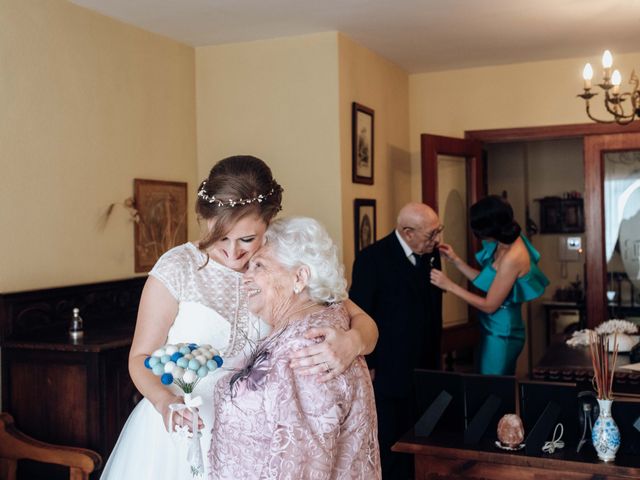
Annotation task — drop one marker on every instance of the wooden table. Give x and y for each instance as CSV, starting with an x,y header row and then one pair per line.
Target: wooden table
x,y
445,457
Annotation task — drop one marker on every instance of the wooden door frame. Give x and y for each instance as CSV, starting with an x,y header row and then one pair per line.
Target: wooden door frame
x,y
463,335
594,204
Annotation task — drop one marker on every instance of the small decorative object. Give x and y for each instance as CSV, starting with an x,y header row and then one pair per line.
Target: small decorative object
x,y
161,221
605,434
556,442
362,144
76,329
364,213
623,330
510,432
185,365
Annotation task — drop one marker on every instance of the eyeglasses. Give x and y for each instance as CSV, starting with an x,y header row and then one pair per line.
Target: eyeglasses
x,y
428,236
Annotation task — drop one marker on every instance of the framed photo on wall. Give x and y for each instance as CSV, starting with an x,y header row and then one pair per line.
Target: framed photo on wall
x,y
160,221
364,213
362,144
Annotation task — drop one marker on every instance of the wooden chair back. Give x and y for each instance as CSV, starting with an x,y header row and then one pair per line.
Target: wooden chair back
x,y
15,445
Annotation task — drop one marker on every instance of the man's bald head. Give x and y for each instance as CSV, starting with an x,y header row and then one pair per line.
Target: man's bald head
x,y
416,224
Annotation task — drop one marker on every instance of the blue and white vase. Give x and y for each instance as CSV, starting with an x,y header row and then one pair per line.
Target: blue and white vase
x,y
605,434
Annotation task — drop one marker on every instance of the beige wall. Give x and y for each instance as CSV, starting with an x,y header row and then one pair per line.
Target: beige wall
x,y
373,81
277,100
88,104
517,95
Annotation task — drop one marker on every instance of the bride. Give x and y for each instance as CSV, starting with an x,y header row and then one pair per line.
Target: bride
x,y
194,295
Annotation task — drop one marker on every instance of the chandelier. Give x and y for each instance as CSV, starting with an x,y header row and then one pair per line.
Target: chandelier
x,y
614,102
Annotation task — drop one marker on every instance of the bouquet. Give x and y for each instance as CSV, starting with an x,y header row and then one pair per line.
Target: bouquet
x,y
185,365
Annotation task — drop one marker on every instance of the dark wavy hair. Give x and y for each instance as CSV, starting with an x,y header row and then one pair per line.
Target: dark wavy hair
x,y
492,217
240,176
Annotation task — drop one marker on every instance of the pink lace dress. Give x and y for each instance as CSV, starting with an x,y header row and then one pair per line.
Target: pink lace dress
x,y
273,423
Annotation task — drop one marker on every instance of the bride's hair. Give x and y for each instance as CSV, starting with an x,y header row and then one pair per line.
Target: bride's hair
x,y
236,187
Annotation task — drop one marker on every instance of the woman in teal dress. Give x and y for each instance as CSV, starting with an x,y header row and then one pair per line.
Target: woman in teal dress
x,y
509,276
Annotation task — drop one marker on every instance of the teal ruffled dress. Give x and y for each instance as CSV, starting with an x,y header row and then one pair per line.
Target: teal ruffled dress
x,y
503,330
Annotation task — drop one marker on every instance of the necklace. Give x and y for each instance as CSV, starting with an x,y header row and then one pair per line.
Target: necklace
x,y
287,319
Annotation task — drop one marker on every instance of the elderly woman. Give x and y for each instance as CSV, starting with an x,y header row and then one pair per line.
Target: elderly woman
x,y
270,421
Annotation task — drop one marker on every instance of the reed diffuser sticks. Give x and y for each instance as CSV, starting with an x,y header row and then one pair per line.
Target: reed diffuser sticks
x,y
603,370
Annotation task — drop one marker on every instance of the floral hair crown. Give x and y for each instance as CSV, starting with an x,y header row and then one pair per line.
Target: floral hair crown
x,y
232,202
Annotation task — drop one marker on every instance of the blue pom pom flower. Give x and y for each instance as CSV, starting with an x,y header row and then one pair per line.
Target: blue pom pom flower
x,y
175,364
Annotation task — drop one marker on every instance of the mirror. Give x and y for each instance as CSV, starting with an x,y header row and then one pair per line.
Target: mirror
x,y
622,231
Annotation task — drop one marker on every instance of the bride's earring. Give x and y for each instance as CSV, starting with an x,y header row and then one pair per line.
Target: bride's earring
x,y
296,290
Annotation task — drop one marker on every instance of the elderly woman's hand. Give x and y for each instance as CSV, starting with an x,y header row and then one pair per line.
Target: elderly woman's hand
x,y
330,357
440,280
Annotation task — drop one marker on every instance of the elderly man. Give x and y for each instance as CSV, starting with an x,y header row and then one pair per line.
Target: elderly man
x,y
391,283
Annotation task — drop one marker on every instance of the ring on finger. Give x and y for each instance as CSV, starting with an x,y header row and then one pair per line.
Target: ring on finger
x,y
327,368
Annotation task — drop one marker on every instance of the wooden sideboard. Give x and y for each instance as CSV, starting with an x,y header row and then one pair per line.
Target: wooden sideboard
x,y
75,393
446,458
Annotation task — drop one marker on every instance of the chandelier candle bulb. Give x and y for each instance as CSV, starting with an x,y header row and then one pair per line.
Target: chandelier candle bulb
x,y
607,62
587,75
616,80
624,107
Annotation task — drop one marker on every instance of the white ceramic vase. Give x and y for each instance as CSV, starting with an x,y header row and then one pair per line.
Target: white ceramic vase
x,y
605,434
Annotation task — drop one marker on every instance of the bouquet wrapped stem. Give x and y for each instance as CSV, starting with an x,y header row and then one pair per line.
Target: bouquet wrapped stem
x,y
194,452
185,365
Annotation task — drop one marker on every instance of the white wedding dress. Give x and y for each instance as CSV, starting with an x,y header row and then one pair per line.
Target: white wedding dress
x,y
212,309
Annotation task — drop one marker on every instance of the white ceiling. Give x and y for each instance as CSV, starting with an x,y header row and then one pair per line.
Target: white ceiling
x,y
418,35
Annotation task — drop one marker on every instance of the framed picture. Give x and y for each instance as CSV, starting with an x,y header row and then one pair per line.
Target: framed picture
x,y
161,219
361,144
364,211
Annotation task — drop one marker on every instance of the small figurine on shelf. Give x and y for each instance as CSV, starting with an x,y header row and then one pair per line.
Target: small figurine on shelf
x,y
76,330
510,432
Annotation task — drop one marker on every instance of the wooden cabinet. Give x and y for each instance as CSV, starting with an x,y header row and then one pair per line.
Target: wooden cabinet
x,y
75,393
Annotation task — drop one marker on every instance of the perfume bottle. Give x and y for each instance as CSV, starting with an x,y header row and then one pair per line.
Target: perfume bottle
x,y
75,327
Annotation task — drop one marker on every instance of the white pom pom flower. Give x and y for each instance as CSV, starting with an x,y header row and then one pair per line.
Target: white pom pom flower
x,y
170,349
207,354
189,376
178,372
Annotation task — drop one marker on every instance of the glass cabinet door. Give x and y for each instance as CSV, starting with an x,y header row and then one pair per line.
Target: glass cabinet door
x,y
612,220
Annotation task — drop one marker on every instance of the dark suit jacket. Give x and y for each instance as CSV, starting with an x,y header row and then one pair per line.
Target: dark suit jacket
x,y
407,310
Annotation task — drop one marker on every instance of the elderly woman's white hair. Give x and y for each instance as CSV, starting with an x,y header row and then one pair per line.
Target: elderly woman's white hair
x,y
304,241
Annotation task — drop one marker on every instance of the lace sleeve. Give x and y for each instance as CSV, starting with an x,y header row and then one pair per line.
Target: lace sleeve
x,y
171,269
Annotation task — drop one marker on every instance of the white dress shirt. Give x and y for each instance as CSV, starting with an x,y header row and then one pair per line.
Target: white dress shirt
x,y
407,249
